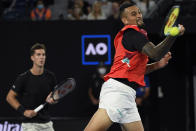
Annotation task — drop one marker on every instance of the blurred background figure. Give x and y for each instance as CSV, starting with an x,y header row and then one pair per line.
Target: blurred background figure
x,y
142,101
96,13
145,5
15,10
122,1
40,12
95,85
59,10
77,13
106,7
91,2
115,11
84,5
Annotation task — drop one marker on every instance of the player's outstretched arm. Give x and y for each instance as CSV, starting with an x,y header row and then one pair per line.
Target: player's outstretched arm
x,y
159,51
159,64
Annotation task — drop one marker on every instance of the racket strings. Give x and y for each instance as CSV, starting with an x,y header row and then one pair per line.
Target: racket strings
x,y
63,89
171,19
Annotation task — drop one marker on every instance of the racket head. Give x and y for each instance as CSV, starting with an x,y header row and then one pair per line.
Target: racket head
x,y
63,88
171,19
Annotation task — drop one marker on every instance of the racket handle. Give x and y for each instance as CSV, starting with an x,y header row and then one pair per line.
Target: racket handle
x,y
39,108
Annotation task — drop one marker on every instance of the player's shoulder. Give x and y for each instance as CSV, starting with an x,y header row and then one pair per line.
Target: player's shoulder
x,y
48,72
130,30
24,74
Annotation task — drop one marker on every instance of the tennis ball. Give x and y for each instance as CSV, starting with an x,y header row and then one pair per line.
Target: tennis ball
x,y
174,31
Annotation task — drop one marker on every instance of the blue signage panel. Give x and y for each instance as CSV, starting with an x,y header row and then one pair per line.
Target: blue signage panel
x,y
95,49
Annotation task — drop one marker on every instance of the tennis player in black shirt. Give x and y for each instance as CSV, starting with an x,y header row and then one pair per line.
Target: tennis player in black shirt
x,y
31,89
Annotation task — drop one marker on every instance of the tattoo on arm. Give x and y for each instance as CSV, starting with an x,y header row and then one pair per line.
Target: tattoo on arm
x,y
158,51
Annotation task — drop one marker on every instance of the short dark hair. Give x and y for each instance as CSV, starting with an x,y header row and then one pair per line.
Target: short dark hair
x,y
125,5
36,47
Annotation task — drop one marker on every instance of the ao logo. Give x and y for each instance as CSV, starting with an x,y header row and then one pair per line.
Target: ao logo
x,y
96,48
100,49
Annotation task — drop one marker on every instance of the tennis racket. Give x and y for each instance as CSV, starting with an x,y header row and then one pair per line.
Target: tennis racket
x,y
170,20
60,90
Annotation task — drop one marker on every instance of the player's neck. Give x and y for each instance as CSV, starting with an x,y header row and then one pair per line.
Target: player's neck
x,y
37,70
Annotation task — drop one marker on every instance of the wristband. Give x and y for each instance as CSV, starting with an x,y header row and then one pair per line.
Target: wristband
x,y
21,109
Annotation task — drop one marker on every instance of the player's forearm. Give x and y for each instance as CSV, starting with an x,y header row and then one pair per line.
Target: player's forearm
x,y
165,46
151,67
11,99
157,52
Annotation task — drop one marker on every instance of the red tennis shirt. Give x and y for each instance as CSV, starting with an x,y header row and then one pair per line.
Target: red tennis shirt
x,y
127,64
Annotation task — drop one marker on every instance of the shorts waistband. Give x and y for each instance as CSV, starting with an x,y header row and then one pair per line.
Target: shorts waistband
x,y
132,84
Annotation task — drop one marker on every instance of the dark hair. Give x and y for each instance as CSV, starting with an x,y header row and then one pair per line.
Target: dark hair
x,y
36,47
125,5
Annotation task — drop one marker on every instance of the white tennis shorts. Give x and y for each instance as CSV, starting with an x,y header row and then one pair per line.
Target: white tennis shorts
x,y
118,100
38,126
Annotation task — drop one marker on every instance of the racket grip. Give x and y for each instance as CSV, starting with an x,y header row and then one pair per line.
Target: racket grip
x,y
39,108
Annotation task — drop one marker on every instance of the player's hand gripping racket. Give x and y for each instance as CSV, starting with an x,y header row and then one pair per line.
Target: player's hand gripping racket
x,y
170,21
61,90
